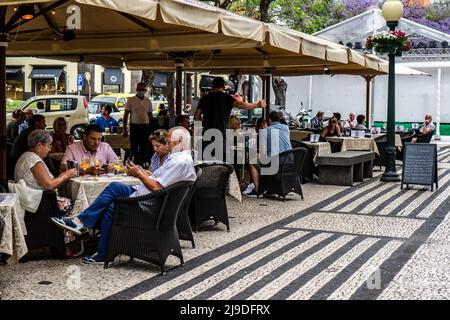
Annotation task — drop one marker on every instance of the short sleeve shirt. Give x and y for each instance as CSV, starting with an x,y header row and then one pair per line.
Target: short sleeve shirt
x,y
76,152
216,109
177,167
139,109
23,169
103,123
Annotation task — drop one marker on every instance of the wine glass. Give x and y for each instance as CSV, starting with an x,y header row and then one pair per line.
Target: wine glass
x,y
85,163
97,165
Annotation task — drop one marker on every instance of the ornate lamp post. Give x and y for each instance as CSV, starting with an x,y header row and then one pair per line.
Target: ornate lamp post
x,y
392,12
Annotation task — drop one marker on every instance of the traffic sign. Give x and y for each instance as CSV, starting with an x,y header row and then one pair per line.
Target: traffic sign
x,y
80,80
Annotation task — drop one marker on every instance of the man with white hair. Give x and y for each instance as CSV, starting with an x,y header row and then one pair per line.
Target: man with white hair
x,y
177,167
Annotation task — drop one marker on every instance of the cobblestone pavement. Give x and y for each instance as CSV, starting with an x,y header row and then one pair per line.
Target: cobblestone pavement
x,y
372,241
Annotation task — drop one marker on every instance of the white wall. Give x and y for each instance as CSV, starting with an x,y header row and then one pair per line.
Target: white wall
x,y
415,95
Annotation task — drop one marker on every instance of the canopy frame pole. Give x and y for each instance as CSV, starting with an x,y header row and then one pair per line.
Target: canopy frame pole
x,y
268,82
3,46
438,105
368,79
179,77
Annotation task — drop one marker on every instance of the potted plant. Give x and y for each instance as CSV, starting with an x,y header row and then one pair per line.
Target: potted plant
x,y
389,42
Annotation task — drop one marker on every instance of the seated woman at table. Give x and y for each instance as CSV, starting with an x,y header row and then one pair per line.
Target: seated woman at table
x,y
234,123
60,138
31,168
332,129
360,120
159,142
261,123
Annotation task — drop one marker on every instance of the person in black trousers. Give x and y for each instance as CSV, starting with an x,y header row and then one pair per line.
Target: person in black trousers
x,y
139,108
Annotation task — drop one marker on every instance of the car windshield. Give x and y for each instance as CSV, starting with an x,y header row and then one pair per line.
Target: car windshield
x,y
94,107
27,102
105,99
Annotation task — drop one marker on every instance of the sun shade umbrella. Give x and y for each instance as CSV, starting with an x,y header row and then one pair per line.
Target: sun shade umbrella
x,y
167,32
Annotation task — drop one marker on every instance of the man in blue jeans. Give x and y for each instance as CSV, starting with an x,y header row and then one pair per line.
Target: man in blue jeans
x,y
177,167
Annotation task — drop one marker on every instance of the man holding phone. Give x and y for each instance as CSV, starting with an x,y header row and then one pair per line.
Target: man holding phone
x,y
177,167
90,148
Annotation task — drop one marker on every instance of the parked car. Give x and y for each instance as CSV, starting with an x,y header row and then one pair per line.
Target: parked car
x,y
95,108
156,106
257,113
71,107
118,99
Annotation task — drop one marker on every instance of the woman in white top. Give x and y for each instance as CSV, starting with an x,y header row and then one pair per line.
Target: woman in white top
x,y
31,168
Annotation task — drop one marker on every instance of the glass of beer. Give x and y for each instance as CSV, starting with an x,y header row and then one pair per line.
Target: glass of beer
x,y
118,165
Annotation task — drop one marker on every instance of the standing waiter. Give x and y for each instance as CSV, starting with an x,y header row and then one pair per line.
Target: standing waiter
x,y
140,108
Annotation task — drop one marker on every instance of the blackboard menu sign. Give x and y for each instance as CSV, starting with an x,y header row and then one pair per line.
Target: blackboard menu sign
x,y
420,165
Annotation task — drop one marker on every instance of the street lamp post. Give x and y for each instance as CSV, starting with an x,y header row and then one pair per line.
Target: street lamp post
x,y
392,12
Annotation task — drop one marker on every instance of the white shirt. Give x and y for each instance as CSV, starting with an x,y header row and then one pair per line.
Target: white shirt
x,y
139,109
23,169
430,126
177,167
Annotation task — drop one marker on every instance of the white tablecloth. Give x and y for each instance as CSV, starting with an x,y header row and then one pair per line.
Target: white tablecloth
x,y
12,241
84,190
355,144
319,148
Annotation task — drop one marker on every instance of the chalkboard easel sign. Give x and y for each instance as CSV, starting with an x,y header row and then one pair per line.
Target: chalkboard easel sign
x,y
420,165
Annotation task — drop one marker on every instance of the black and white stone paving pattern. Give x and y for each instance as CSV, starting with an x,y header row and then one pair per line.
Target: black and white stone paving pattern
x,y
371,241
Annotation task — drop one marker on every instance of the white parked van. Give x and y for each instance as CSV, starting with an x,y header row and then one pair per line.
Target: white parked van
x,y
73,108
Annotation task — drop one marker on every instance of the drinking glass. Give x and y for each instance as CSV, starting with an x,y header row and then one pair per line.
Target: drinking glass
x,y
118,165
98,165
85,163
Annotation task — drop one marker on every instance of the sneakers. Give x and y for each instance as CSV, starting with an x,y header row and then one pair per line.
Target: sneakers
x,y
249,189
68,224
252,194
94,259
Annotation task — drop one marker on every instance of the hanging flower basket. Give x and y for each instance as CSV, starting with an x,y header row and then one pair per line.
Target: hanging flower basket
x,y
389,42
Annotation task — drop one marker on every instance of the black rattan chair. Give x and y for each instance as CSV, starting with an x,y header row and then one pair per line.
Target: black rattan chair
x,y
41,232
145,227
183,224
425,138
405,139
381,158
308,165
289,174
209,199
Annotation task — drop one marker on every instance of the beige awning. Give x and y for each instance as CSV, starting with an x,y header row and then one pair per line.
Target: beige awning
x,y
153,34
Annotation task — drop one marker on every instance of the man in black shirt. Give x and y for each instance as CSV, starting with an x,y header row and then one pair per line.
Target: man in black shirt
x,y
216,107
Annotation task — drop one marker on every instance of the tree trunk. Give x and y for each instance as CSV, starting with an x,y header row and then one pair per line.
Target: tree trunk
x,y
279,88
278,84
264,10
169,92
147,77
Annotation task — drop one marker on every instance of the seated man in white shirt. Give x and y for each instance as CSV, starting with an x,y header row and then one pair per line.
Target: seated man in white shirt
x,y
428,125
178,167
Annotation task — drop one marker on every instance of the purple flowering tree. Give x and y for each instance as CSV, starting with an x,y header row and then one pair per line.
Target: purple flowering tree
x,y
436,15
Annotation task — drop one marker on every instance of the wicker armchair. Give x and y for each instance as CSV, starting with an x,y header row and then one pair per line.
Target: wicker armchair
x,y
289,175
183,224
41,232
425,138
381,158
145,227
405,139
209,199
308,165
